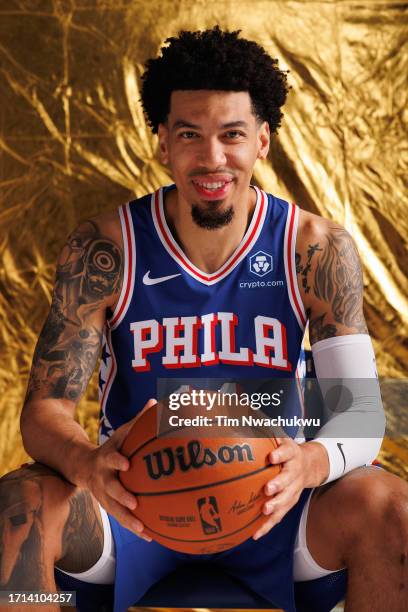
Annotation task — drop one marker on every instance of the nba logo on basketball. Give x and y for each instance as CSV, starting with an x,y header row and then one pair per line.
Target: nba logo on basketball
x,y
261,263
210,520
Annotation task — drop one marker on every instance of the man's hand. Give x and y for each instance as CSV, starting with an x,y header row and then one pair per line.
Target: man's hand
x,y
100,476
303,466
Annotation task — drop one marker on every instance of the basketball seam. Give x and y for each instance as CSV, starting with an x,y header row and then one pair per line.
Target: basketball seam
x,y
164,433
201,486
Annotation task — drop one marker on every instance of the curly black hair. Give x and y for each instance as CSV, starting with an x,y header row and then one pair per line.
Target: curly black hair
x,y
214,60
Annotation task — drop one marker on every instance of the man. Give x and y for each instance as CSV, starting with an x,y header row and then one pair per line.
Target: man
x,y
163,285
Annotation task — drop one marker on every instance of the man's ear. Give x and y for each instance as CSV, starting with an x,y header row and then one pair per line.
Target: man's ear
x,y
163,134
264,138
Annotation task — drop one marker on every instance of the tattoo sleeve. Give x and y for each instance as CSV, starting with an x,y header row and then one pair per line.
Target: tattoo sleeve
x,y
88,276
333,276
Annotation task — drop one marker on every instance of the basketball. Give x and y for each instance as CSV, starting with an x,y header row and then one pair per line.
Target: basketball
x,y
196,494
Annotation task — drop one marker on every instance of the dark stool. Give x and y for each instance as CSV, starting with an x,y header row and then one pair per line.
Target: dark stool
x,y
206,586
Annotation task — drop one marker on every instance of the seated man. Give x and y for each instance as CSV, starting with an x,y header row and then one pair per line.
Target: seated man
x,y
167,286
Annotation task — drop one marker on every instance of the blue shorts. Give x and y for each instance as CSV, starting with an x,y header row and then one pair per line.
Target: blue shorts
x,y
265,566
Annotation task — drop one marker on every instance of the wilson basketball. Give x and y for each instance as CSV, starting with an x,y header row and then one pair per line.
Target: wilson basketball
x,y
197,494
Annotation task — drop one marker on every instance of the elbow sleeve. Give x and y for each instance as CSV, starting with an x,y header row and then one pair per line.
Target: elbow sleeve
x,y
354,417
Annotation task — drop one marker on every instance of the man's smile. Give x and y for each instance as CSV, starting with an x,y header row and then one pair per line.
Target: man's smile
x,y
212,188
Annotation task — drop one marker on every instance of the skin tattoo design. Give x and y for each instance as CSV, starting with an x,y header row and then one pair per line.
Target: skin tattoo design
x,y
89,271
303,271
20,527
82,538
24,515
337,282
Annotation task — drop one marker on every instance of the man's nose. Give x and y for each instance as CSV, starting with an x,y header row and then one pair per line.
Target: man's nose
x,y
211,153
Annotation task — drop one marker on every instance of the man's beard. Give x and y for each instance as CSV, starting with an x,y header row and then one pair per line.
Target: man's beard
x,y
211,218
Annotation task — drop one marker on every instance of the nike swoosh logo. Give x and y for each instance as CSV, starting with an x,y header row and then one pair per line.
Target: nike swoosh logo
x,y
154,281
339,445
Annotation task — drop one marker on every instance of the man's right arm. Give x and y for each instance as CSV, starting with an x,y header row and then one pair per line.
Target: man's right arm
x,y
88,281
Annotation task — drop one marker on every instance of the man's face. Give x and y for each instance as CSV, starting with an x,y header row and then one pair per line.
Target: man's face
x,y
211,142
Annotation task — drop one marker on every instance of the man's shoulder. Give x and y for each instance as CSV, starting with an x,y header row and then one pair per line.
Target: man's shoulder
x,y
316,231
315,227
104,226
109,224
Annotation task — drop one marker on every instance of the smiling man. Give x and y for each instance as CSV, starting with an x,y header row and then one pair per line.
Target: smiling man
x,y
207,277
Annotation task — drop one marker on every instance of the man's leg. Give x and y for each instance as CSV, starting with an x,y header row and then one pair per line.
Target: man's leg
x,y
45,519
361,522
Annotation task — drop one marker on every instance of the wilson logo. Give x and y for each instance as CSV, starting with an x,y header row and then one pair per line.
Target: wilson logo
x,y
194,456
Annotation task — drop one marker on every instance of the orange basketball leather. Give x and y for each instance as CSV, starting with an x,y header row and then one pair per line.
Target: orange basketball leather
x,y
197,494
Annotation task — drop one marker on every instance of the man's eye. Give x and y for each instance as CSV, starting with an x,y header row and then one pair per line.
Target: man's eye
x,y
188,135
234,134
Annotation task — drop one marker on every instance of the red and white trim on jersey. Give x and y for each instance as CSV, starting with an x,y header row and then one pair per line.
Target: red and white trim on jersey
x,y
111,372
129,271
289,248
174,250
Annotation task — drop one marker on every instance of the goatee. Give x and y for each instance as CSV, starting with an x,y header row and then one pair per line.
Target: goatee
x,y
211,218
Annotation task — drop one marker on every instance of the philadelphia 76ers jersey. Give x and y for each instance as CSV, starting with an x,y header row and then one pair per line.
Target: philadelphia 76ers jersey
x,y
244,321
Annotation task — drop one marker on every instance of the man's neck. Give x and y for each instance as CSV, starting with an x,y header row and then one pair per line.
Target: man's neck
x,y
207,249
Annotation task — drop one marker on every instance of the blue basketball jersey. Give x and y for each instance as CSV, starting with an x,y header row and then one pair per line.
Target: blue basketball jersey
x,y
172,320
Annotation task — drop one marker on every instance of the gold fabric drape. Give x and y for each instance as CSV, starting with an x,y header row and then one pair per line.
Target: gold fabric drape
x,y
73,143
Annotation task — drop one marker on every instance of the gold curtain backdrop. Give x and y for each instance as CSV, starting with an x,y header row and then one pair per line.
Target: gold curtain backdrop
x,y
73,143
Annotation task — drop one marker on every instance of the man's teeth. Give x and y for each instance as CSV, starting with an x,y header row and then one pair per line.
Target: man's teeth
x,y
211,185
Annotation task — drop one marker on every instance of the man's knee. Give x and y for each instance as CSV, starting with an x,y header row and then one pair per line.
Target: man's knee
x,y
44,516
366,509
367,502
35,491
379,502
28,526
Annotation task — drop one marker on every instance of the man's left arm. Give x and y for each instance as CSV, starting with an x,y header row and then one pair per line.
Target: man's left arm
x,y
331,284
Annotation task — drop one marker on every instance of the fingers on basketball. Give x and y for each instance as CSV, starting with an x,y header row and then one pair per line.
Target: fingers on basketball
x,y
199,494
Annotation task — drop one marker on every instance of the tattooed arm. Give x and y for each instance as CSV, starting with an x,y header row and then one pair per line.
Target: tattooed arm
x,y
330,282
332,285
88,281
330,279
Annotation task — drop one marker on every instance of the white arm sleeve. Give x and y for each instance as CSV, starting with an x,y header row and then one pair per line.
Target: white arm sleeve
x,y
346,358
